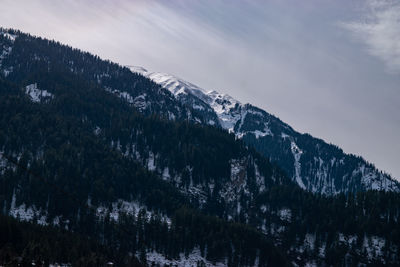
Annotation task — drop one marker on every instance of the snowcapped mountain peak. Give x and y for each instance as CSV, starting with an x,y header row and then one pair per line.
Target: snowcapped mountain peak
x,y
218,109
225,107
175,85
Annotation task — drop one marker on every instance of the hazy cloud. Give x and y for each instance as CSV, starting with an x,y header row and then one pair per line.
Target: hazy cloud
x,y
379,29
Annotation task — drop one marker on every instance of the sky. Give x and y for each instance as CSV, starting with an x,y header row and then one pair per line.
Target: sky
x,y
330,68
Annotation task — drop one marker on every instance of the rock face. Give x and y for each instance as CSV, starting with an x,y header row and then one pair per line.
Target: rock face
x,y
313,164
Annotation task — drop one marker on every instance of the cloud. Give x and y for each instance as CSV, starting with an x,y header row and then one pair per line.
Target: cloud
x,y
379,29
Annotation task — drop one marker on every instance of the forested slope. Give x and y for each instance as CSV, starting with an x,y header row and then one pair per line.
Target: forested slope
x,y
79,156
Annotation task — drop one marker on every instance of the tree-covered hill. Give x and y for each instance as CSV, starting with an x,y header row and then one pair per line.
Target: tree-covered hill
x,y
146,181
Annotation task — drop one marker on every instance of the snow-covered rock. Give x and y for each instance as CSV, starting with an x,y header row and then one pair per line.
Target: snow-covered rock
x,y
37,95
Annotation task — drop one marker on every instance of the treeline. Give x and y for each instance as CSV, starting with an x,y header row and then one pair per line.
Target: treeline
x,y
22,244
218,241
126,242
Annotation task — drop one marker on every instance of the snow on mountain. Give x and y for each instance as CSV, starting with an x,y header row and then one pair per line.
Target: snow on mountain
x,y
297,165
230,112
313,164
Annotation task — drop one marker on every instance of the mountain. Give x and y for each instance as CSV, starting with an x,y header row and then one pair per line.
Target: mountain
x,y
313,164
155,182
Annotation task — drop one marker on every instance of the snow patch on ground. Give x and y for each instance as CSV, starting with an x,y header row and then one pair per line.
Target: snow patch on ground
x,y
322,250
123,95
348,240
193,259
22,212
97,130
10,36
3,163
98,76
151,166
263,208
120,207
139,102
259,134
309,242
7,71
285,214
59,265
373,246
372,179
197,191
256,133
36,95
165,175
30,213
57,220
198,107
260,180
297,165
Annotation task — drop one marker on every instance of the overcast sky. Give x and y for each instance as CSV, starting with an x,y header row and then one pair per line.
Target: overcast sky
x,y
327,67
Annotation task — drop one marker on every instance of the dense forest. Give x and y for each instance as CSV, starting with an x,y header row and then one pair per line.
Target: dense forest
x,y
115,179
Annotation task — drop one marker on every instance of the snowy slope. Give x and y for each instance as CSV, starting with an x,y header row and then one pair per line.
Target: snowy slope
x,y
313,164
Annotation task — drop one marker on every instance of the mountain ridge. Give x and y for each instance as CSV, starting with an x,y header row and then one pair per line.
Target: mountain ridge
x,y
233,116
